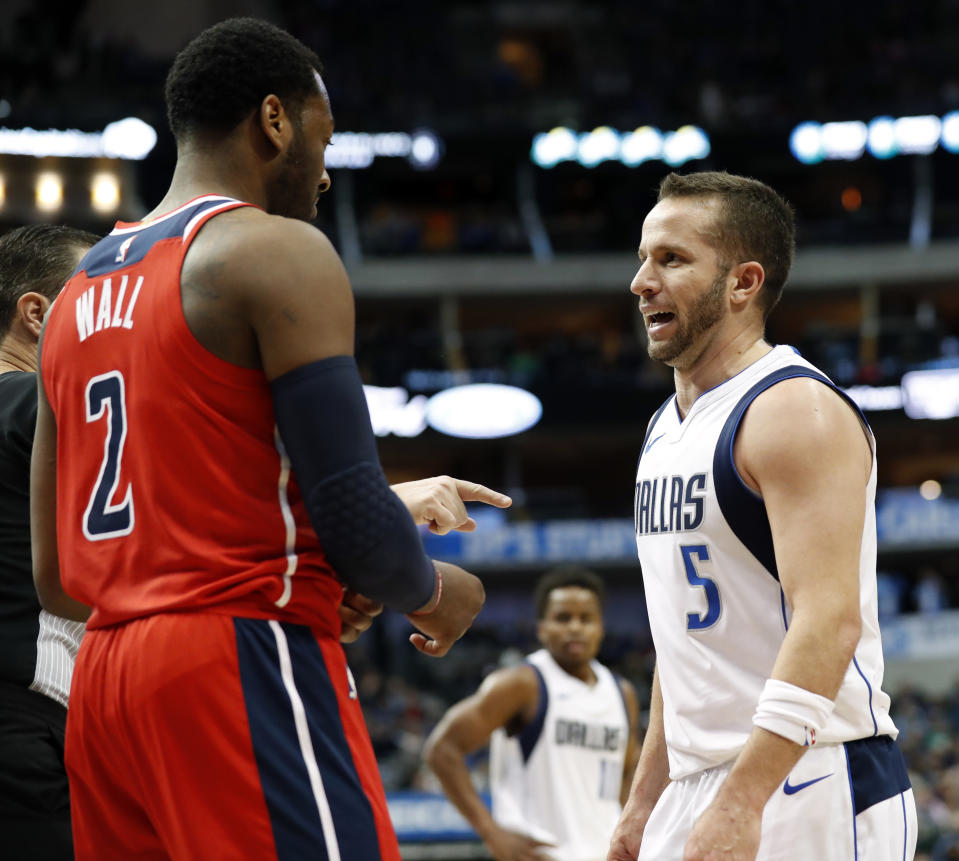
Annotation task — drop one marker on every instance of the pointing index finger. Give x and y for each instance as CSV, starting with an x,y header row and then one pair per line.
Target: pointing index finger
x,y
470,491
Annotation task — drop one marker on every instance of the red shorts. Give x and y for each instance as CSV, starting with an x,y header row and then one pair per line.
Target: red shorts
x,y
199,736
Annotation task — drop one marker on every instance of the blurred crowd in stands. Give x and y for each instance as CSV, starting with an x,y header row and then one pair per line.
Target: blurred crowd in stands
x,y
616,360
507,66
487,76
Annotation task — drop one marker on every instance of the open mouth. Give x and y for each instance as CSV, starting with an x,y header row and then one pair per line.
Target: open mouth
x,y
661,318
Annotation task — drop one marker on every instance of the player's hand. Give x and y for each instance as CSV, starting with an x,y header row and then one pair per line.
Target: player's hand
x,y
725,832
627,836
356,614
462,598
438,502
509,846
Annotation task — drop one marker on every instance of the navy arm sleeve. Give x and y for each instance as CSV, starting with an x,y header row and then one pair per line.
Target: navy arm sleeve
x,y
366,531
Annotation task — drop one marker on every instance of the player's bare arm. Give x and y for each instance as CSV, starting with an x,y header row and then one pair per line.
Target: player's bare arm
x,y
650,778
507,699
806,452
43,516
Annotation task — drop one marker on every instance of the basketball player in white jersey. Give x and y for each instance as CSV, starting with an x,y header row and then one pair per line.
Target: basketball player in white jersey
x,y
562,734
769,733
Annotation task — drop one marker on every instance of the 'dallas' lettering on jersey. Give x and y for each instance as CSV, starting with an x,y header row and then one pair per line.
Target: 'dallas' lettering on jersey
x,y
670,503
106,305
592,736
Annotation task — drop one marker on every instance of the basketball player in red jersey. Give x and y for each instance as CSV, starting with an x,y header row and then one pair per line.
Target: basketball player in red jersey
x,y
205,479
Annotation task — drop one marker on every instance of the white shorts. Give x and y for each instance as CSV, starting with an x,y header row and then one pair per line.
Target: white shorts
x,y
841,802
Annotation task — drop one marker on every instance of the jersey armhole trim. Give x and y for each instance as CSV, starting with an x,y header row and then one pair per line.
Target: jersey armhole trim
x,y
530,734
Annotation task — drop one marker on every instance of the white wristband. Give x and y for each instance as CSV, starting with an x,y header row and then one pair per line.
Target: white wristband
x,y
792,712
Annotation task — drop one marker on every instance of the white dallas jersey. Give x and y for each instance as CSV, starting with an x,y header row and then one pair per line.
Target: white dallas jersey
x,y
716,610
558,780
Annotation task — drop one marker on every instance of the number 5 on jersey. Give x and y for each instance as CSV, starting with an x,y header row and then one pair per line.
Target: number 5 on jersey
x,y
105,518
696,621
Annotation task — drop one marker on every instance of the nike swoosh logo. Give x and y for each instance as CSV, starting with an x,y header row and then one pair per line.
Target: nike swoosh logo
x,y
792,789
649,445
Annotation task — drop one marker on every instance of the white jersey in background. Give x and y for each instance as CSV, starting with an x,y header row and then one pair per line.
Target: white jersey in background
x,y
558,780
717,612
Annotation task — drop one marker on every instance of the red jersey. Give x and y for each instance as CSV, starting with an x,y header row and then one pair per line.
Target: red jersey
x,y
174,492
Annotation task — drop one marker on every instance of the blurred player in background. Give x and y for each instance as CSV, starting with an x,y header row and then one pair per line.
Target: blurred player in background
x,y
37,649
562,734
206,479
769,734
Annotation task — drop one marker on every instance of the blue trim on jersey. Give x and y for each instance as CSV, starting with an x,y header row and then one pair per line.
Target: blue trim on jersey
x,y
877,771
102,258
529,734
297,829
872,714
905,826
782,601
652,424
743,509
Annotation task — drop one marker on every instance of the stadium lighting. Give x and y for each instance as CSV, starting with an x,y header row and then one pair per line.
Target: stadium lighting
x,y
483,411
930,489
49,192
918,135
358,150
845,140
931,394
105,192
645,143
599,145
554,146
426,149
130,138
685,144
883,137
393,411
950,132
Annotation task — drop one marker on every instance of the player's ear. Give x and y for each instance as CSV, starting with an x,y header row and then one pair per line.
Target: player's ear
x,y
275,123
540,634
31,308
749,278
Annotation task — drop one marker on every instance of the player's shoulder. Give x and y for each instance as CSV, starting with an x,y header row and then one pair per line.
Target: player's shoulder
x,y
246,247
249,232
802,406
794,425
520,681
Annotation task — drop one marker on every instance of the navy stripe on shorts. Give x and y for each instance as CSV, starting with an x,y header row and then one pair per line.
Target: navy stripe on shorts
x,y
306,770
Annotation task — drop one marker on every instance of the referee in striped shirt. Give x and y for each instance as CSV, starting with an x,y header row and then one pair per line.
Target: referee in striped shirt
x,y
37,649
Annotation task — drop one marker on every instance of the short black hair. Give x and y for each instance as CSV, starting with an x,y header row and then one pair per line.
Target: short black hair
x,y
224,74
754,223
37,258
563,576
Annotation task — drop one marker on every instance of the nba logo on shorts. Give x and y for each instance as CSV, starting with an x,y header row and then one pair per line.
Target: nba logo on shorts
x,y
352,683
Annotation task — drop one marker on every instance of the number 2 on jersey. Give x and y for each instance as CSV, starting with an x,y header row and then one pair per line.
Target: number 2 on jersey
x,y
695,621
104,518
